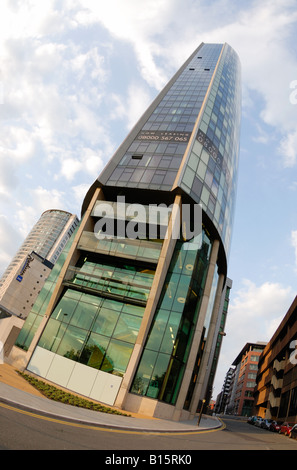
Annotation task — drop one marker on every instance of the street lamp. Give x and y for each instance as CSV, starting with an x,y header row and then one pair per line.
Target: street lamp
x,y
200,414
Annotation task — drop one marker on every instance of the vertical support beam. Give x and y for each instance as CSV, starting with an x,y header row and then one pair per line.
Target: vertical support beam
x,y
155,292
203,376
198,331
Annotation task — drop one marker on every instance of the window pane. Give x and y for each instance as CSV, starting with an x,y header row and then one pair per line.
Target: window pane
x,y
144,372
174,379
169,338
127,328
72,343
117,357
171,286
94,351
158,376
64,309
52,335
105,321
181,293
133,309
84,315
157,333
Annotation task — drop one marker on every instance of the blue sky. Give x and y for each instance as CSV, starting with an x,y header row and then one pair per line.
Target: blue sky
x,y
75,76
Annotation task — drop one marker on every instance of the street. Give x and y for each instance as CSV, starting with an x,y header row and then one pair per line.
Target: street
x,y
21,430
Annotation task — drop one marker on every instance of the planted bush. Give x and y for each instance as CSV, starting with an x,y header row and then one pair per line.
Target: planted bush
x,y
56,394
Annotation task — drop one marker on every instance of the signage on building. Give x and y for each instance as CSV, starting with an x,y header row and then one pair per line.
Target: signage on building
x,y
25,266
164,136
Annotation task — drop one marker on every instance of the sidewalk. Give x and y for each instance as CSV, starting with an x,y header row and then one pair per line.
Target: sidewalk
x,y
16,391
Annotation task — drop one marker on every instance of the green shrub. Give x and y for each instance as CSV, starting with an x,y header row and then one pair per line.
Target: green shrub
x,y
56,394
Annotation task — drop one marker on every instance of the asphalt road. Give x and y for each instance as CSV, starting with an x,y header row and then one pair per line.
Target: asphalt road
x,y
21,430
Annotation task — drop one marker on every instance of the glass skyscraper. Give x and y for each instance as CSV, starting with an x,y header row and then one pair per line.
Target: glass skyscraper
x,y
133,317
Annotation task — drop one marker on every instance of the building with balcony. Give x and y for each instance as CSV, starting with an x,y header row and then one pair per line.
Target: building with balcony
x,y
222,399
131,315
276,388
246,368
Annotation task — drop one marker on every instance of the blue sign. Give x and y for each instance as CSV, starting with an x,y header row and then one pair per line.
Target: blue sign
x,y
19,278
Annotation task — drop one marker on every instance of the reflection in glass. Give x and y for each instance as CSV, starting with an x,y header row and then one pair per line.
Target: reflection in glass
x,y
162,364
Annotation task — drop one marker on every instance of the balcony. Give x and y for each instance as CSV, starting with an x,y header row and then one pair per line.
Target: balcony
x,y
133,249
127,287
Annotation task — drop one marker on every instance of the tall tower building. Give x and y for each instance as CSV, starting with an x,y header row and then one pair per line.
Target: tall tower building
x,y
24,278
132,320
47,239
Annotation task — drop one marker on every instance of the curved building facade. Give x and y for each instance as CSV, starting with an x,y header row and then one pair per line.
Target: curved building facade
x,y
47,238
135,316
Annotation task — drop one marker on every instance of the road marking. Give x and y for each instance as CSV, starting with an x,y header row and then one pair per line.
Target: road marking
x,y
105,429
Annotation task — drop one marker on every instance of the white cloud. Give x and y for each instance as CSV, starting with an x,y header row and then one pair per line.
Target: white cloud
x,y
259,32
254,307
131,106
86,162
89,62
261,36
135,22
288,149
42,199
25,218
48,199
10,238
21,19
70,167
255,312
79,193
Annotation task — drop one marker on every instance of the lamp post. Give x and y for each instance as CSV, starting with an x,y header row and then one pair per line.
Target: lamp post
x,y
200,414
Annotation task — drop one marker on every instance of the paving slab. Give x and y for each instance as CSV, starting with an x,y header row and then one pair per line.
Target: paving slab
x,y
16,391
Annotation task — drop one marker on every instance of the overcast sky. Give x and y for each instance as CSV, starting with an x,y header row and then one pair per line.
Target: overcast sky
x,y
75,76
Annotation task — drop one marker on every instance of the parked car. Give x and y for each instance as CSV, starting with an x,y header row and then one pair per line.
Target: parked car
x,y
258,422
266,423
293,432
253,419
286,428
275,426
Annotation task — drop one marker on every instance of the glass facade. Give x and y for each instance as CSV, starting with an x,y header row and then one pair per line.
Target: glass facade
x,y
210,173
120,281
166,351
92,330
97,317
208,87
153,159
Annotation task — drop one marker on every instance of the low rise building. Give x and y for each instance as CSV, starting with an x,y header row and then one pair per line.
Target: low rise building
x,y
276,389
